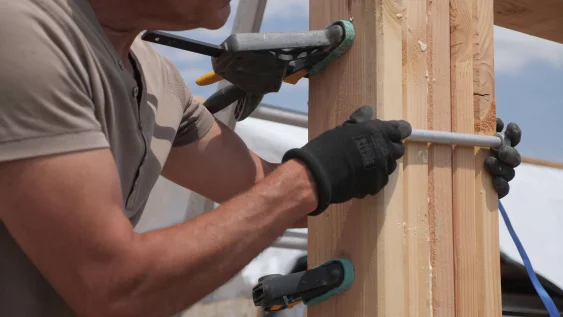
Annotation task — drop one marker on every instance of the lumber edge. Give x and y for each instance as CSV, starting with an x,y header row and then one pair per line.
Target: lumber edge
x,y
540,162
539,18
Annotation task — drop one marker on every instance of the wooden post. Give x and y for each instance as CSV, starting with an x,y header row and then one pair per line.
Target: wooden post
x,y
427,245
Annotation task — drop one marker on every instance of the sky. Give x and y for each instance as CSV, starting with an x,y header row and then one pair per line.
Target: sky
x,y
529,76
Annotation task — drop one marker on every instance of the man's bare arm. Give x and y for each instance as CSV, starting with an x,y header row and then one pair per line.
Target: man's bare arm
x,y
218,166
68,219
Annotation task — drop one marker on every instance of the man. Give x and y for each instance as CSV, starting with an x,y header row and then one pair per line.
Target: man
x,y
91,116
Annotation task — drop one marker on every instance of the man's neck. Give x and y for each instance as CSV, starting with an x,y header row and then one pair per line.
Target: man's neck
x,y
116,29
122,42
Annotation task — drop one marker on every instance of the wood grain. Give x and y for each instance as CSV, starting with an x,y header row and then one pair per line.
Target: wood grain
x,y
464,222
475,212
541,18
440,162
370,231
427,245
486,204
416,84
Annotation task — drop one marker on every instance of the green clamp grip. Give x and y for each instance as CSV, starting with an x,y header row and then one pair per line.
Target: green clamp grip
x,y
349,36
349,277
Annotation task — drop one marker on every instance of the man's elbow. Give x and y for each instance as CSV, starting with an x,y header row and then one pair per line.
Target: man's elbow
x,y
112,288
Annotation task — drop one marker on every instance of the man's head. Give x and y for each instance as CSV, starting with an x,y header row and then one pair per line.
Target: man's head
x,y
169,15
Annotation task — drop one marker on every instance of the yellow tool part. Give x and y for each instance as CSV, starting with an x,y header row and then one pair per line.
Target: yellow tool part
x,y
208,79
294,78
276,308
212,78
289,306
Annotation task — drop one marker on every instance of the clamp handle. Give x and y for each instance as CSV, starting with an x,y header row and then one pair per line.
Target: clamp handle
x,y
278,292
245,103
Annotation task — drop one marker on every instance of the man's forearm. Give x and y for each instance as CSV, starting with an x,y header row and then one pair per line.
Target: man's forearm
x,y
268,169
178,269
200,166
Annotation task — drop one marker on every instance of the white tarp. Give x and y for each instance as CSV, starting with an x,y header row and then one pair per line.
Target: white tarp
x,y
535,206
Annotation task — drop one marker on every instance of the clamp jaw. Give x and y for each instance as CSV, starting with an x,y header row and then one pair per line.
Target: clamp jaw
x,y
256,64
279,292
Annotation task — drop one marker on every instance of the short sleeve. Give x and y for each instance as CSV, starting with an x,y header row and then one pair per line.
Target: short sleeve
x,y
45,105
196,118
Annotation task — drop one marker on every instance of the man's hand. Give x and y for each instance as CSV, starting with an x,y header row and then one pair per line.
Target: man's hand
x,y
355,159
501,165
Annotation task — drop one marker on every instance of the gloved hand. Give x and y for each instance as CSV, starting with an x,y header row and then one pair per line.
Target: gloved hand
x,y
502,163
353,160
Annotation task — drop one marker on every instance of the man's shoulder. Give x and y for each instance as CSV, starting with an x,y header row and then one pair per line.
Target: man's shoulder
x,y
41,16
18,18
166,79
38,40
13,11
42,73
56,29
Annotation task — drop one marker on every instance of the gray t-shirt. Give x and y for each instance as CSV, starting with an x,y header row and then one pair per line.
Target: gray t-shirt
x,y
63,89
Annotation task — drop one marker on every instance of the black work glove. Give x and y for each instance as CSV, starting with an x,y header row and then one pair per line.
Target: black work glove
x,y
353,160
502,163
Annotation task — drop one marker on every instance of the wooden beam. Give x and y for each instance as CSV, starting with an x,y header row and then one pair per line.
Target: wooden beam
x,y
440,162
539,162
370,232
486,199
427,245
475,212
416,74
541,18
465,236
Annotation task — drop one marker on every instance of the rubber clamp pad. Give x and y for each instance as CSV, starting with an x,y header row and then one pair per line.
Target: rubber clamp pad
x,y
349,277
349,36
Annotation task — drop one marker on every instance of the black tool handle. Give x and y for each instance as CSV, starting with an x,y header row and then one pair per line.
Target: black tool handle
x,y
183,43
282,290
223,97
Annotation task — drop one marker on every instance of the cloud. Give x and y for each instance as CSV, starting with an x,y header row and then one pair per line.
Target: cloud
x,y
514,51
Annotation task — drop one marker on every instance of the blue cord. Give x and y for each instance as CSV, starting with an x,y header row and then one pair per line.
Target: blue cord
x,y
546,299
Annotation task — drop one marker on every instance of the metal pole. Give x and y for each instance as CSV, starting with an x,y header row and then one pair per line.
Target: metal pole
x,y
443,137
293,243
281,115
